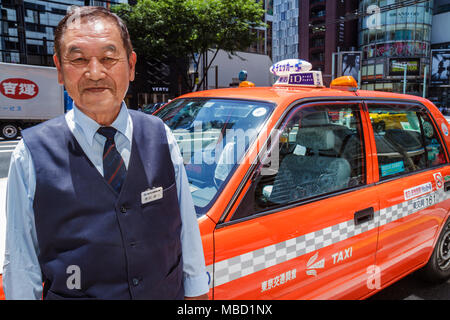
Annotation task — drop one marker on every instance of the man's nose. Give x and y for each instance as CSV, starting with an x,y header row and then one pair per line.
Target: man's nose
x,y
95,69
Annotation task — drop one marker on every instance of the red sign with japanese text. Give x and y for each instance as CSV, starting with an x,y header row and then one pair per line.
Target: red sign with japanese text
x,y
18,88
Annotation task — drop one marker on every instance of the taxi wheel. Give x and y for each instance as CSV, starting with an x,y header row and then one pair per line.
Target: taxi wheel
x,y
438,267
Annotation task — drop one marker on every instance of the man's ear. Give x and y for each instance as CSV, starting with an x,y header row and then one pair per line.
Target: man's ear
x,y
132,63
58,68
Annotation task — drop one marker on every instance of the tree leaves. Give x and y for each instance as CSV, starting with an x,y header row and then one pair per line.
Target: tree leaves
x,y
188,28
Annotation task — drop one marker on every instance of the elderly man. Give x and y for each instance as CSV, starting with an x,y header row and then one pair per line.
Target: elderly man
x,y
98,203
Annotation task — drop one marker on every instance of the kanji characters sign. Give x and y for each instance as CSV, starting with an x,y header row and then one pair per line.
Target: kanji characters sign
x,y
18,88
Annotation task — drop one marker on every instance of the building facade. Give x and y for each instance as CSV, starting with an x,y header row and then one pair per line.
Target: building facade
x,y
27,28
439,90
263,45
326,27
313,30
285,40
393,33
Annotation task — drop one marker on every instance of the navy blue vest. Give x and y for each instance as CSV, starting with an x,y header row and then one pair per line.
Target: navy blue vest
x,y
122,249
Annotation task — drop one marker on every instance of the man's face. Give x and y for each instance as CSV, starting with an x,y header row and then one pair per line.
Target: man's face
x,y
94,66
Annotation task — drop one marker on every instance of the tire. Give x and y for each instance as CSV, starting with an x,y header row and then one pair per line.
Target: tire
x,y
438,267
9,131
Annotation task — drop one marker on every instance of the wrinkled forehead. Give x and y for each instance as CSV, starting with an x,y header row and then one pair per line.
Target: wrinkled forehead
x,y
77,22
91,33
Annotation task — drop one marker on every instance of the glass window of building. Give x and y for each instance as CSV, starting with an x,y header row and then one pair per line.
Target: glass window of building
x,y
39,20
285,30
395,29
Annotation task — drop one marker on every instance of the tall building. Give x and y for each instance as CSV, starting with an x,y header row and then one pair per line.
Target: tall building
x,y
263,45
313,30
324,29
285,43
393,33
27,27
439,89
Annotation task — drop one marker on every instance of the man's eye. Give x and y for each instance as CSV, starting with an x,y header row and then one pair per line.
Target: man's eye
x,y
108,60
79,61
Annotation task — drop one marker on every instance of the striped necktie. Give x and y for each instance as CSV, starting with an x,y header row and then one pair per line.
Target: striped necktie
x,y
114,170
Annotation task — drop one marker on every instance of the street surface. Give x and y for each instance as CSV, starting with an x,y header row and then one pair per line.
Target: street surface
x,y
411,287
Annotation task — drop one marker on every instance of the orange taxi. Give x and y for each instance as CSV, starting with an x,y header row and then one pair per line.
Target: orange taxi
x,y
301,194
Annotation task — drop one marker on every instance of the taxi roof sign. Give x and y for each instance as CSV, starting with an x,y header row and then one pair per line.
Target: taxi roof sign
x,y
296,72
288,66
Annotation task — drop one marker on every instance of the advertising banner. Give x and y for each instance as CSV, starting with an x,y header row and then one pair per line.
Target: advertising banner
x,y
413,67
397,49
440,67
30,92
349,64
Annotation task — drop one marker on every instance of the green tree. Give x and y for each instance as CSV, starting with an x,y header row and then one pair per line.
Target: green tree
x,y
185,30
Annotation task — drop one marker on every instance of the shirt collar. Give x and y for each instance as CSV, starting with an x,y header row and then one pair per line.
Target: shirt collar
x,y
89,126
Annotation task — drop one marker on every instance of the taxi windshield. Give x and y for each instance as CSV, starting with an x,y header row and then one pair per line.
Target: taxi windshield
x,y
213,136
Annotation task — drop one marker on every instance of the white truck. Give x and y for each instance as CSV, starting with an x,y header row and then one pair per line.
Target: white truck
x,y
28,95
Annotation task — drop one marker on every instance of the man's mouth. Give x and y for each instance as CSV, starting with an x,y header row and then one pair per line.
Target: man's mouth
x,y
96,89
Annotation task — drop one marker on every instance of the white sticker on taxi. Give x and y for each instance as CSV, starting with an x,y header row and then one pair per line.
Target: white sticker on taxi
x,y
424,202
418,190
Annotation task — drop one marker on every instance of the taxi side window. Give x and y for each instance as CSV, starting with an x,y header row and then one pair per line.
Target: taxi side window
x,y
320,151
406,139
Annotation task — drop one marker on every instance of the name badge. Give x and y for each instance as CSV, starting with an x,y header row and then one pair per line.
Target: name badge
x,y
150,195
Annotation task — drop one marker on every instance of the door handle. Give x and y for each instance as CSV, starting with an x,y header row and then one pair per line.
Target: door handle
x,y
363,216
447,186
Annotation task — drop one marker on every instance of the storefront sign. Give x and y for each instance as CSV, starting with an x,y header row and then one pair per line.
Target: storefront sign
x,y
160,89
397,49
413,67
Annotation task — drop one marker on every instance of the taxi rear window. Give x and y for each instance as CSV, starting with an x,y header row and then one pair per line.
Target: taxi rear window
x,y
213,136
406,139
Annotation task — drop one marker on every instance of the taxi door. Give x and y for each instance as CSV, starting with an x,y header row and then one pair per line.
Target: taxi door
x,y
411,164
303,225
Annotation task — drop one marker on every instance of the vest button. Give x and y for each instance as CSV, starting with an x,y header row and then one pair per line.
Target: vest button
x,y
135,281
123,209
